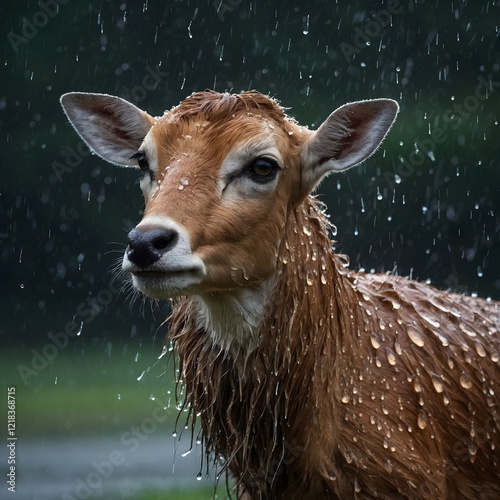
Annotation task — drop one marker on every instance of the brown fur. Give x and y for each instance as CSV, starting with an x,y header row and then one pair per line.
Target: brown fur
x,y
362,385
347,385
338,400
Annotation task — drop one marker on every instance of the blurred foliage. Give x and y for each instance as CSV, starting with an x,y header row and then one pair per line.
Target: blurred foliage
x,y
62,231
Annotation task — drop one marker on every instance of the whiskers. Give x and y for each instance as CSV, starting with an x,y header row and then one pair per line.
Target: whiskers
x,y
122,282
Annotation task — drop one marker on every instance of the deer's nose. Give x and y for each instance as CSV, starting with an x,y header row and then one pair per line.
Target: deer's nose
x,y
145,247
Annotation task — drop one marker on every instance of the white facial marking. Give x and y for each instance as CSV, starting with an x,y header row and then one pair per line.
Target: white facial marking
x,y
177,270
149,186
233,319
232,182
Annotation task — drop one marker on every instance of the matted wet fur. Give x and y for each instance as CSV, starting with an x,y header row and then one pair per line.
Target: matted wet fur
x,y
363,385
358,385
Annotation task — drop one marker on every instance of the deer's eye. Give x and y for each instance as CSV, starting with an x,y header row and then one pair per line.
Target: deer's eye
x,y
142,161
263,169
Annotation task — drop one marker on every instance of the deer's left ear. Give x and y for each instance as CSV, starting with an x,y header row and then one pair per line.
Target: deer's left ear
x,y
347,137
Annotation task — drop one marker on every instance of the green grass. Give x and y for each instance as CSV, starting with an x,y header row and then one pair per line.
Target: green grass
x,y
89,390
182,494
96,392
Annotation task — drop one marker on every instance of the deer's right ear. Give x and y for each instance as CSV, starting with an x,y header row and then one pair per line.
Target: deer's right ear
x,y
112,127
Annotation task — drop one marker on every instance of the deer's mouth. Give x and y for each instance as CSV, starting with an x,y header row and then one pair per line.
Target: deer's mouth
x,y
167,283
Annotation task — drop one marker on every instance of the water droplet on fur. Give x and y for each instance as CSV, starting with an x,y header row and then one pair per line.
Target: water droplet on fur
x,y
348,456
391,357
431,321
465,381
375,341
398,348
199,476
181,187
494,357
415,336
357,487
480,349
472,452
466,330
306,231
437,382
345,397
422,419
184,181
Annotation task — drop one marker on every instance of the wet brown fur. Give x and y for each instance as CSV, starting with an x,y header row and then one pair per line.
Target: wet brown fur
x,y
362,385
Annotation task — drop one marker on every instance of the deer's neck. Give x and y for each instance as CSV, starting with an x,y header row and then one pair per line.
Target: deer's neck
x,y
294,326
233,319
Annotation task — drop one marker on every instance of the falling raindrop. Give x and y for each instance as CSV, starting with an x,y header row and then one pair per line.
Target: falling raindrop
x,y
305,28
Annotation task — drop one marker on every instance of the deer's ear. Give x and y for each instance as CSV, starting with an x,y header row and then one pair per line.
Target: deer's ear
x,y
347,137
112,127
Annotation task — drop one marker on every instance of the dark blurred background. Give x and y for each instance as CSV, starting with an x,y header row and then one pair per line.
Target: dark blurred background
x,y
427,205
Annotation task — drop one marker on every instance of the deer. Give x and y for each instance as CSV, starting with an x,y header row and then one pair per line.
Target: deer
x,y
309,379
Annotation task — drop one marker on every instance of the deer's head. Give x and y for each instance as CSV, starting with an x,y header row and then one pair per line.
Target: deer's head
x,y
219,174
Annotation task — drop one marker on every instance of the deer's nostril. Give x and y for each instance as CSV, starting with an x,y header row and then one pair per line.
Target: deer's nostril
x,y
147,247
162,243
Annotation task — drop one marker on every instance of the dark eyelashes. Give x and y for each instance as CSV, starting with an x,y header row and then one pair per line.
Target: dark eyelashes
x,y
142,163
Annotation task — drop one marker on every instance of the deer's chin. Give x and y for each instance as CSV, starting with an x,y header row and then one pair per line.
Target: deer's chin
x,y
166,285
